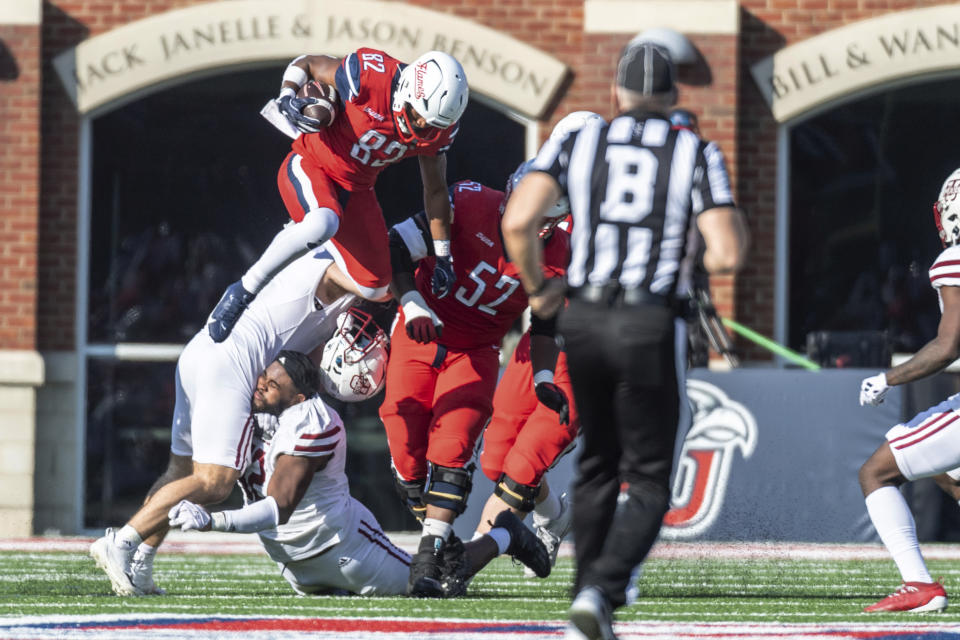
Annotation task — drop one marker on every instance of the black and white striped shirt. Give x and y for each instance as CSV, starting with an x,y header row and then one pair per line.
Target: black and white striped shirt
x,y
635,187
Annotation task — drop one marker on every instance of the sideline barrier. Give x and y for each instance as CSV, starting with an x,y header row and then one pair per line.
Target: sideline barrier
x,y
771,455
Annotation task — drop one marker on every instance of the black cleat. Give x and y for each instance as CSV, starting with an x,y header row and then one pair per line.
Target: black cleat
x,y
457,572
426,569
524,544
231,306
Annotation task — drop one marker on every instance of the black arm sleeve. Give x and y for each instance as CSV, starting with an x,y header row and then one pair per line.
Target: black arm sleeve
x,y
400,259
541,327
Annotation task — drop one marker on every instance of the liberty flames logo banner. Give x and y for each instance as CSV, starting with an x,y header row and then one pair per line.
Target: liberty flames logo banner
x,y
720,427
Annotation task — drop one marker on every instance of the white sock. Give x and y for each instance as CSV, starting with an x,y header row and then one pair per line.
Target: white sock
x,y
434,527
127,537
146,553
502,537
318,226
550,507
892,518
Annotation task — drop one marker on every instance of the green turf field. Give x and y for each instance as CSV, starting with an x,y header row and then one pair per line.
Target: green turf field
x,y
692,590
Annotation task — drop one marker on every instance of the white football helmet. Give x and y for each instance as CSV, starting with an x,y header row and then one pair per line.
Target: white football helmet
x,y
354,362
946,210
435,86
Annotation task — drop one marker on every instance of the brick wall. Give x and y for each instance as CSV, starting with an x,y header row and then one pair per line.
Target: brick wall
x,y
766,26
19,183
724,96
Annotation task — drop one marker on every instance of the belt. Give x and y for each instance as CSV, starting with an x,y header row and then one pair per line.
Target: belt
x,y
614,296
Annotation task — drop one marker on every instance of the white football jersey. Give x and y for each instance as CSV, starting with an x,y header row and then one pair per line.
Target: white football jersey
x,y
945,271
311,429
284,315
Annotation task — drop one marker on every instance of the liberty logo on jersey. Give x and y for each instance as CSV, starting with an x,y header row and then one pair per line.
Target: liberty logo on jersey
x,y
484,239
720,425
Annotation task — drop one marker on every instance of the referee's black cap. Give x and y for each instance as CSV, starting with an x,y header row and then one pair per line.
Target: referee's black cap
x,y
302,371
645,68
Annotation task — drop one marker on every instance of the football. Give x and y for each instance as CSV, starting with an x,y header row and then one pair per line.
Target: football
x,y
325,107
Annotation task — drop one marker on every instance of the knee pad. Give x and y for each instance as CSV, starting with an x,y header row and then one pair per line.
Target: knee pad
x,y
411,495
519,496
448,487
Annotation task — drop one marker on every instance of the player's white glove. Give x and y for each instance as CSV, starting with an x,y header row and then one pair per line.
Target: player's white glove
x,y
421,323
873,389
189,516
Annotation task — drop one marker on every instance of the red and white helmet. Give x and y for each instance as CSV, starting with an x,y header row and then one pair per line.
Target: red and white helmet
x,y
354,362
435,86
946,210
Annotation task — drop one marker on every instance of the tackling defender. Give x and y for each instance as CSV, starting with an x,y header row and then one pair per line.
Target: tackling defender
x,y
387,111
929,444
212,424
443,368
296,492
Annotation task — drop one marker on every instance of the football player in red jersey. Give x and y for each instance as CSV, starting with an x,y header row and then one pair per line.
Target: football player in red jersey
x,y
443,368
524,439
386,112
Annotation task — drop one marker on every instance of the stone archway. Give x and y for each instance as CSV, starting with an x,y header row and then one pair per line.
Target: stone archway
x,y
165,48
859,56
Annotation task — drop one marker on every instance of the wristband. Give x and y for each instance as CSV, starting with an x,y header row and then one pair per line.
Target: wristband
x,y
256,516
288,91
544,375
295,74
441,248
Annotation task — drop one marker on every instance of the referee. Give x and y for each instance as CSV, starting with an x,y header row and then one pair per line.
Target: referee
x,y
635,187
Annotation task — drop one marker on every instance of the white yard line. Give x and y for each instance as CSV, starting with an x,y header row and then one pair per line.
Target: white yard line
x,y
216,543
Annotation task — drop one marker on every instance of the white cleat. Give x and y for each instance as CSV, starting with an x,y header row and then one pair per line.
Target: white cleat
x,y
114,561
141,575
552,531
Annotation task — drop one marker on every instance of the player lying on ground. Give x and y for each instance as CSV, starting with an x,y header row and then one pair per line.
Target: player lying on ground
x,y
929,444
296,490
210,442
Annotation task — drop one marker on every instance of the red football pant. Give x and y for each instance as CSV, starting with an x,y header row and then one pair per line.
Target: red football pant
x,y
435,413
524,437
362,237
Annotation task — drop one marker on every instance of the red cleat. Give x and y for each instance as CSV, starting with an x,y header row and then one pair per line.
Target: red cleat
x,y
913,596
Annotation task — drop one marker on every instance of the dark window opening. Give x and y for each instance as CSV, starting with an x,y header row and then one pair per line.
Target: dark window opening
x,y
864,177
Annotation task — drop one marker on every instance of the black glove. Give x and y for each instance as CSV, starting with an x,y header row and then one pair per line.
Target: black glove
x,y
291,108
553,397
443,276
